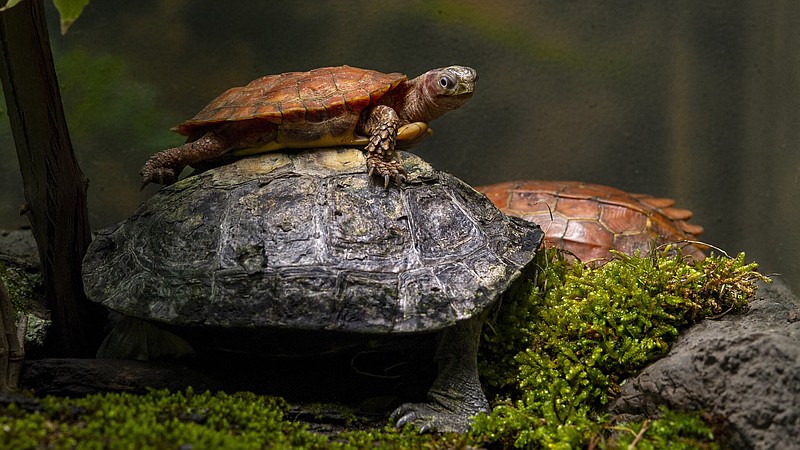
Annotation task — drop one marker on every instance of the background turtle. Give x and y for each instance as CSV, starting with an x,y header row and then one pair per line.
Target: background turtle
x,y
325,107
301,245
590,220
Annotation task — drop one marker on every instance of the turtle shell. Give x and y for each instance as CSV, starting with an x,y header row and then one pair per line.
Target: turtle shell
x,y
315,96
307,241
590,220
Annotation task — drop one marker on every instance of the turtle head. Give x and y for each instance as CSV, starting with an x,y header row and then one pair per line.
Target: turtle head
x,y
440,90
454,81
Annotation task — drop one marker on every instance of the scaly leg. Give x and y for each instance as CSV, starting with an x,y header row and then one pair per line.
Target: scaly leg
x,y
165,166
381,127
456,395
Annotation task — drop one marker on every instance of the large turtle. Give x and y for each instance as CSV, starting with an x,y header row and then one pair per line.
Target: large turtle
x,y
300,244
589,220
325,107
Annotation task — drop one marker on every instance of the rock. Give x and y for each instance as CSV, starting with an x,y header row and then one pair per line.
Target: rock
x,y
19,246
744,368
22,274
77,377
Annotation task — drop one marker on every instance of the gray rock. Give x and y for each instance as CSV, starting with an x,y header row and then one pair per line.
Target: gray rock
x,y
79,377
19,247
745,368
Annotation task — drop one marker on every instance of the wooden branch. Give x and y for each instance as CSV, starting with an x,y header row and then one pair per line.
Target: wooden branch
x,y
55,187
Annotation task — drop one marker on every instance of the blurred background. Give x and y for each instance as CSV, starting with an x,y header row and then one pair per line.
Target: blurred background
x,y
698,101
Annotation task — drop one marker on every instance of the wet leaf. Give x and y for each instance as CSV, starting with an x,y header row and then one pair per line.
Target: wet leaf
x,y
10,4
69,10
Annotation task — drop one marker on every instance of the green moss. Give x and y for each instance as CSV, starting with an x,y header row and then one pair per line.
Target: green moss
x,y
22,286
674,430
579,331
552,358
185,419
156,420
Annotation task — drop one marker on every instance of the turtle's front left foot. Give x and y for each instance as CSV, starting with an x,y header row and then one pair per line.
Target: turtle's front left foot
x,y
381,156
389,170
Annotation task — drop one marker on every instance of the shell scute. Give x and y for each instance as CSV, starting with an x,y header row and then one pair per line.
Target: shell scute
x,y
272,110
618,219
335,105
357,99
293,111
534,202
576,208
315,111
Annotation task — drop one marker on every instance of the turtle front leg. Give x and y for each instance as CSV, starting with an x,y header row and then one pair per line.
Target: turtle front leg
x,y
382,159
165,166
456,395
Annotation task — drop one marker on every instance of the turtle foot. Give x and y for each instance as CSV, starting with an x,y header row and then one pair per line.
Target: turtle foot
x,y
154,173
388,169
430,417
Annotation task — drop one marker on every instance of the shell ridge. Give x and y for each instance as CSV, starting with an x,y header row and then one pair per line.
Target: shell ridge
x,y
321,236
414,260
224,220
455,186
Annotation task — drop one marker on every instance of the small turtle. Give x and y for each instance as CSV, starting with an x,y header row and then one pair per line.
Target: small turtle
x,y
300,245
590,220
325,107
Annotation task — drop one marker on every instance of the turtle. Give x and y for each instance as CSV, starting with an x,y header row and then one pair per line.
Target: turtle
x,y
300,245
324,107
589,220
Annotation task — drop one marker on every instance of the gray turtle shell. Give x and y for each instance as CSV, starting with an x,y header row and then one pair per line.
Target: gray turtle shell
x,y
308,241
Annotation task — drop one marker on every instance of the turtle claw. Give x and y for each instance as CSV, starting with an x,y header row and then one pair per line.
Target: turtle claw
x,y
405,415
165,177
153,174
399,178
430,418
390,170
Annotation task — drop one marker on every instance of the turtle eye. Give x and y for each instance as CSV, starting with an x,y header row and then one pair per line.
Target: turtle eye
x,y
447,83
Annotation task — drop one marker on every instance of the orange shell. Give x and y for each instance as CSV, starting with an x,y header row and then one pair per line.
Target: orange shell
x,y
589,220
297,97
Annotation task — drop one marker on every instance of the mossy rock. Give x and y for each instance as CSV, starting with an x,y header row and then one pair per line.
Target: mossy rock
x,y
21,274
